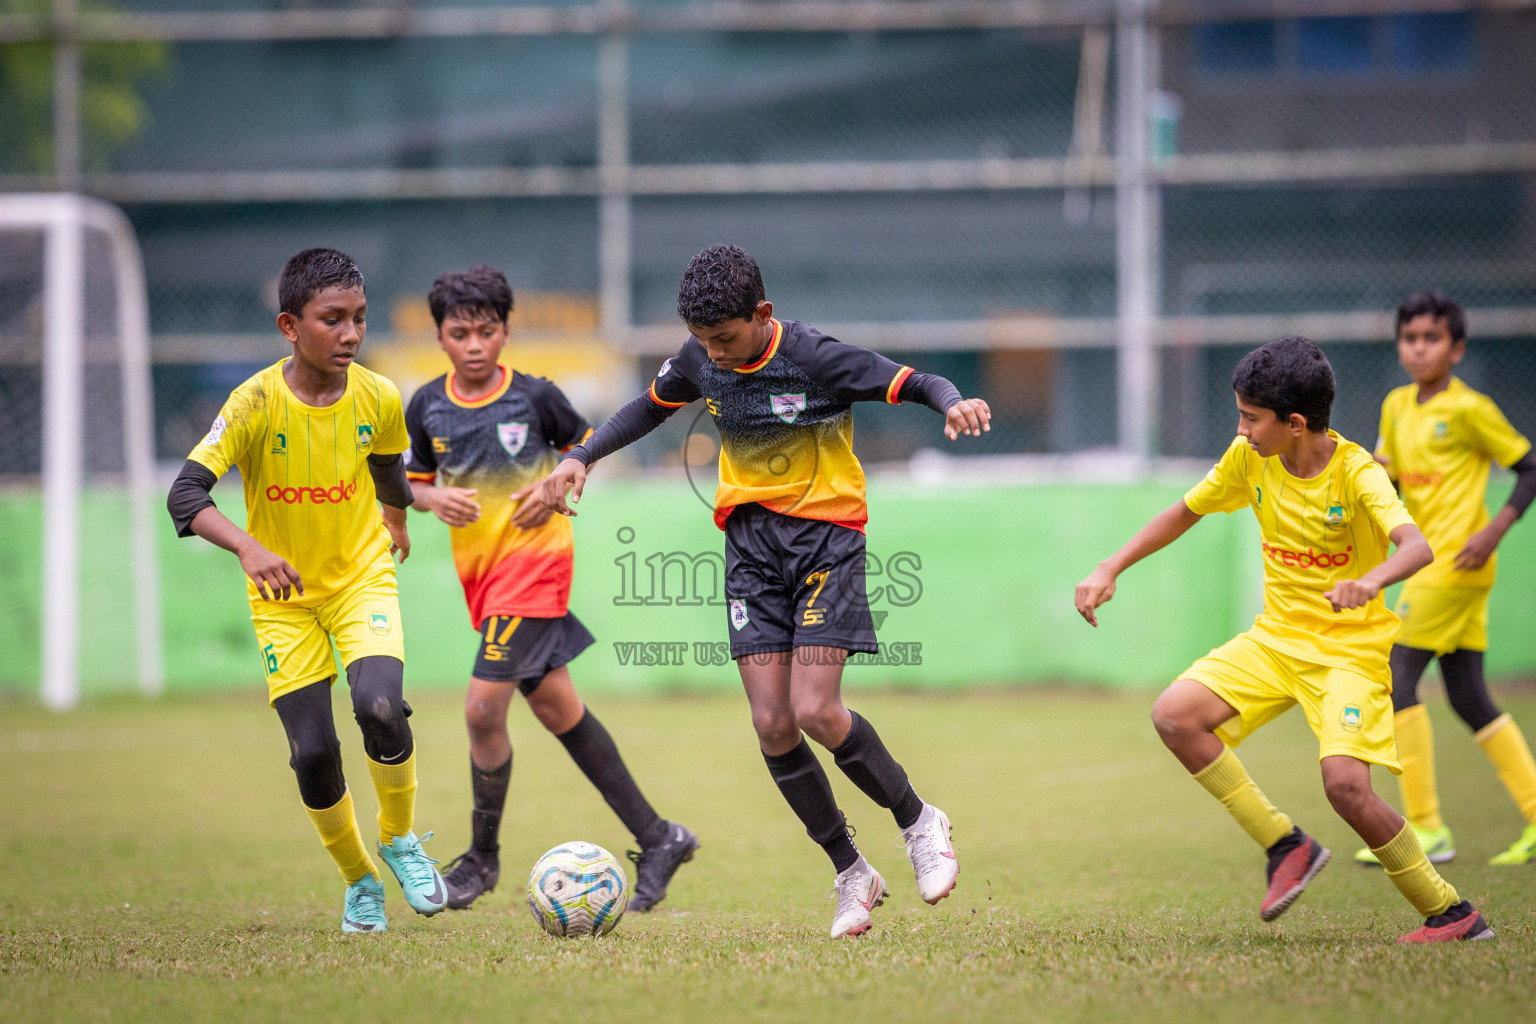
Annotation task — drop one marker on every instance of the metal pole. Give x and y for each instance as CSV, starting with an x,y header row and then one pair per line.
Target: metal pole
x,y
613,172
66,96
1135,232
63,399
138,441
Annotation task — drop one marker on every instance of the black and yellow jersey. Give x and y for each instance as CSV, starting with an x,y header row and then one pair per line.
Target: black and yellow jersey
x,y
495,445
785,420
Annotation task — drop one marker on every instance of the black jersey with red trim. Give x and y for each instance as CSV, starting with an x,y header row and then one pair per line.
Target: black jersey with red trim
x,y
496,445
785,420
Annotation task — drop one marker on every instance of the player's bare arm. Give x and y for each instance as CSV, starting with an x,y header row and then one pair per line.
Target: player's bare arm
x,y
568,478
1479,547
455,506
266,569
1164,528
1412,554
531,513
969,416
399,536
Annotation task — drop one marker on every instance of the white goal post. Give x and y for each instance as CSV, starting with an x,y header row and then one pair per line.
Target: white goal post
x,y
64,220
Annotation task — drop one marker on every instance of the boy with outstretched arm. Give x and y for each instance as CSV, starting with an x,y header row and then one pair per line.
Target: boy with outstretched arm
x,y
478,434
1328,515
791,503
1438,439
318,440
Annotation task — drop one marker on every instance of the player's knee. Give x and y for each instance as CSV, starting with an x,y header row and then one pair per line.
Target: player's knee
x,y
775,727
1171,718
824,720
1348,794
483,718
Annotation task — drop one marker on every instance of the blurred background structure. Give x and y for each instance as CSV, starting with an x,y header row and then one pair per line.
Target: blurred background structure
x,y
1083,210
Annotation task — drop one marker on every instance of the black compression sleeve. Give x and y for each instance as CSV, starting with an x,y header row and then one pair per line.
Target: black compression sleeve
x,y
1525,484
623,428
389,482
936,392
189,496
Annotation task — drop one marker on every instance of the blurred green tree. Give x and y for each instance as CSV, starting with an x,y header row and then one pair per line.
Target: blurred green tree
x,y
112,111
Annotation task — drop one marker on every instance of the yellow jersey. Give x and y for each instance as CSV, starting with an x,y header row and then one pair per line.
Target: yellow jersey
x,y
1314,533
1439,453
308,494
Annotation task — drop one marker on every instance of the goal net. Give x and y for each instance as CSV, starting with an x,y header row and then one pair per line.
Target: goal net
x,y
81,609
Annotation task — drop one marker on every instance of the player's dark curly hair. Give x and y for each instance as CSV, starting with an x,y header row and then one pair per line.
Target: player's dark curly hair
x,y
721,283
1287,375
305,275
1434,304
477,292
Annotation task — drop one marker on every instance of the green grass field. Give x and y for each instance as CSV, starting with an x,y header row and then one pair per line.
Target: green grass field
x,y
159,868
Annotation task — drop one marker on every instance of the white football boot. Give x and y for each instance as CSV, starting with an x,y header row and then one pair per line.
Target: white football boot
x,y
932,854
858,891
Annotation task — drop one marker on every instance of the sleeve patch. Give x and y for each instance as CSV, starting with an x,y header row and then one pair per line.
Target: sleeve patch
x,y
216,431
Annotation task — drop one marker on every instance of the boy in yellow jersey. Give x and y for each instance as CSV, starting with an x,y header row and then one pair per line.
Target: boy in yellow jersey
x,y
317,440
1438,438
1327,515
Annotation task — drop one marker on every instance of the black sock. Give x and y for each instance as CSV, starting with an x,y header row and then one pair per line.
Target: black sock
x,y
595,754
809,793
1467,690
864,759
490,789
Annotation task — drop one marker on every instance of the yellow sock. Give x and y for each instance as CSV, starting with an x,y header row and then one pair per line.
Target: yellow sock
x,y
396,787
1504,743
1416,753
1227,780
1414,876
337,826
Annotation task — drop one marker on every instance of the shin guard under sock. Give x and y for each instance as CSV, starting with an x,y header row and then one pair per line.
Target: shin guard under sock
x,y
1416,753
1227,780
490,793
396,786
1505,746
337,826
1414,876
808,792
866,762
595,753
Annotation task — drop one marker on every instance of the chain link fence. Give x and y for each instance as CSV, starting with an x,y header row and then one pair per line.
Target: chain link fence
x,y
883,225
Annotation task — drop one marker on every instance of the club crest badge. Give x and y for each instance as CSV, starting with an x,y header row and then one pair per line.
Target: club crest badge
x,y
787,407
364,436
379,623
738,615
1350,718
1441,429
513,436
1334,517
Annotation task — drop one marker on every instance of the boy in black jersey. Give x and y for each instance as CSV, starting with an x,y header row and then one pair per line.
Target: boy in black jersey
x,y
791,503
482,437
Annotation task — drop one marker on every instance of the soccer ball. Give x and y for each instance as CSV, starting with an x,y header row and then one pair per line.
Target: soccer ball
x,y
577,889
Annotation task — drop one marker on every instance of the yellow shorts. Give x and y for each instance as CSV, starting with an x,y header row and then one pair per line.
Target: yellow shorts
x,y
1443,619
1350,714
295,642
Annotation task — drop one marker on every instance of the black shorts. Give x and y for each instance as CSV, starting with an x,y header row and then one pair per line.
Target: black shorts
x,y
514,649
794,583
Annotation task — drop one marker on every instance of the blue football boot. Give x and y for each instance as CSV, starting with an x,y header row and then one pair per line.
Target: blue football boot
x,y
363,910
416,873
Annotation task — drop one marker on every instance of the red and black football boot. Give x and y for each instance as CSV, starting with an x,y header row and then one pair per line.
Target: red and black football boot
x,y
1293,862
1460,923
